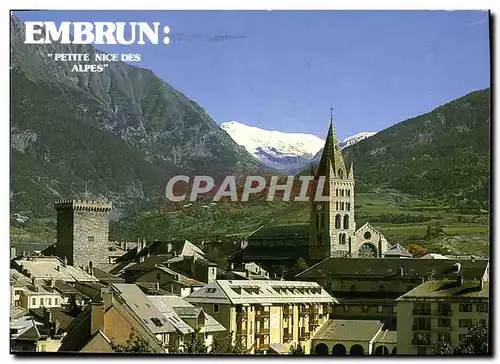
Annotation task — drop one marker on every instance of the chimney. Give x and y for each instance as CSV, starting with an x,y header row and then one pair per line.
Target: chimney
x,y
232,266
125,245
51,283
460,279
400,272
65,262
96,317
157,286
247,273
47,316
56,327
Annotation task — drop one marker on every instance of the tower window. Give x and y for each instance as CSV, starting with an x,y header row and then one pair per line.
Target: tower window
x,y
348,206
336,192
367,235
348,193
342,206
337,221
342,193
90,238
346,221
337,205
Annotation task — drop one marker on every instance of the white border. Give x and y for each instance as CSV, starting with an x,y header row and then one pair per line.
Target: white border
x,y
191,4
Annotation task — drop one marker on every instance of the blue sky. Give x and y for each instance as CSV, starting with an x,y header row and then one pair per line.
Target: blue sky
x,y
283,70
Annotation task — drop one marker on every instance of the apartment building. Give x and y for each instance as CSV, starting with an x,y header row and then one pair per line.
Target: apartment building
x,y
440,311
266,316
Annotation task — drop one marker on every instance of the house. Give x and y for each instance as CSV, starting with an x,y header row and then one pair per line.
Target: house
x,y
368,288
347,337
440,311
259,313
188,320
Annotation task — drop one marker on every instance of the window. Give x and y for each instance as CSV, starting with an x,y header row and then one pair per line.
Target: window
x,y
482,307
444,307
421,323
56,301
346,221
365,308
336,192
90,238
49,301
346,308
33,301
348,193
380,309
216,307
367,235
210,290
444,337
41,301
465,323
444,322
337,205
348,206
465,307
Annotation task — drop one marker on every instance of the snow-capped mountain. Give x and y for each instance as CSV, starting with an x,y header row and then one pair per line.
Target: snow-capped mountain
x,y
280,150
287,152
356,138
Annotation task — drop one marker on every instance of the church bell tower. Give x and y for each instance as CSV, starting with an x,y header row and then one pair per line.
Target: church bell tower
x,y
332,226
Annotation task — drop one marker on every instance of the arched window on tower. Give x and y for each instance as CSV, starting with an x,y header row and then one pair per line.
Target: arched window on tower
x,y
348,193
346,221
348,206
342,206
337,205
336,192
337,221
341,193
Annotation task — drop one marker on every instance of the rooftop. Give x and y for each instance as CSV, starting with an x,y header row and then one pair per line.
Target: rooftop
x,y
440,289
52,268
260,291
397,251
349,330
381,267
387,336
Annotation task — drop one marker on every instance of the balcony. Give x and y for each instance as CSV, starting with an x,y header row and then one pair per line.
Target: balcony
x,y
263,347
417,312
262,331
241,332
443,313
287,335
443,328
241,315
262,314
421,342
304,311
303,335
421,328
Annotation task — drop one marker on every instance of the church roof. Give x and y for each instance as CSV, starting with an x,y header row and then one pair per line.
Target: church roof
x,y
379,267
278,231
398,251
332,155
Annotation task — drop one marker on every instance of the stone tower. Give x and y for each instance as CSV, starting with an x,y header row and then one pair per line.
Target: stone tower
x,y
82,232
332,223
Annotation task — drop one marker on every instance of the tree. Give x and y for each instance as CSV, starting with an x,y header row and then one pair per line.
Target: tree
x,y
196,344
224,346
475,341
298,350
416,250
298,267
134,344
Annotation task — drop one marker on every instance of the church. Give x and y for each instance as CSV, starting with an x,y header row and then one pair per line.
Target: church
x,y
331,231
332,226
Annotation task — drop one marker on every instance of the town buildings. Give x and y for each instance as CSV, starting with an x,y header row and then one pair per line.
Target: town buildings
x,y
262,315
440,311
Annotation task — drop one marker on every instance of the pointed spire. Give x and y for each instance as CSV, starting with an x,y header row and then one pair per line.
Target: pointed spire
x,y
351,171
332,160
